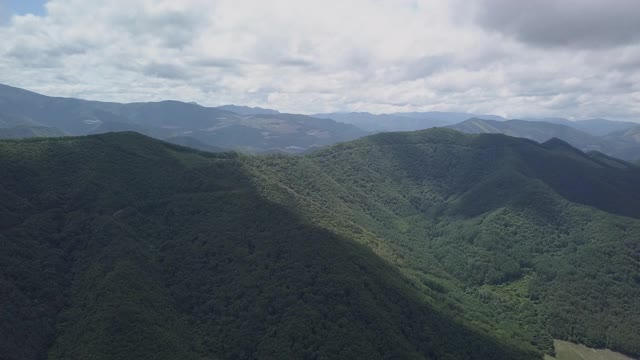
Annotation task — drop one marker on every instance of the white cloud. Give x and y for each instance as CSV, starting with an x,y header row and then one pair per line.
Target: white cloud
x,y
315,56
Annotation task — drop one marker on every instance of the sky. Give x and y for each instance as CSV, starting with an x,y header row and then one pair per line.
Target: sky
x,y
543,58
20,7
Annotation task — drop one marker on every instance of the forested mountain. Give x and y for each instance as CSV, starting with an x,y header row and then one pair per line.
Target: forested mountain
x,y
253,129
424,245
543,232
406,121
118,245
621,144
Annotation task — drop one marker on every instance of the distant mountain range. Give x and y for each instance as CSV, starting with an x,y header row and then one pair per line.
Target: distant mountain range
x,y
246,129
596,127
254,129
246,110
407,121
623,144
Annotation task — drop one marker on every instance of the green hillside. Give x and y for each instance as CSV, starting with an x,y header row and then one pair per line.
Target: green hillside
x,y
505,217
119,246
422,245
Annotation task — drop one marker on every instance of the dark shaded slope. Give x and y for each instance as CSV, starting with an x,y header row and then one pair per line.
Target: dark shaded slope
x,y
123,247
66,251
589,181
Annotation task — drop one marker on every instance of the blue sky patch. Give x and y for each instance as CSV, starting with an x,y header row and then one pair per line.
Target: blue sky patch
x,y
23,7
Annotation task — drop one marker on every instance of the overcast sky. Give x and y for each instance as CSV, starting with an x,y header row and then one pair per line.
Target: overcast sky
x,y
570,58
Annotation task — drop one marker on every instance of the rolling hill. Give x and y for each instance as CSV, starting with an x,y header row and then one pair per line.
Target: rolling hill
x,y
425,245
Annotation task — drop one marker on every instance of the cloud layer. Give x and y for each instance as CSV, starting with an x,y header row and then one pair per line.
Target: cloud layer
x,y
566,23
571,58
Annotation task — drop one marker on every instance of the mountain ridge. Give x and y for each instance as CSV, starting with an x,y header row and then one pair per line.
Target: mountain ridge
x,y
408,121
266,130
247,110
165,119
621,144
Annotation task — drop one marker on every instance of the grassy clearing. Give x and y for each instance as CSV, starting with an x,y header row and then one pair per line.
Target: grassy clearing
x,y
570,351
